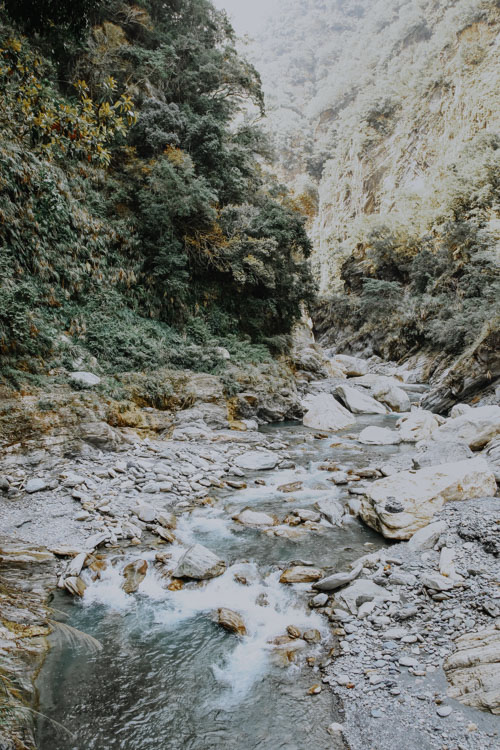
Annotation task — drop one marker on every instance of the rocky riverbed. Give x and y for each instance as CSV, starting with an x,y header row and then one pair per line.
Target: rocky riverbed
x,y
410,633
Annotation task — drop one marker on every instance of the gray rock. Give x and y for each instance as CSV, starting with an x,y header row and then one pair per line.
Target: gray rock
x,y
36,485
85,378
427,537
257,460
337,580
199,563
432,453
146,513
331,509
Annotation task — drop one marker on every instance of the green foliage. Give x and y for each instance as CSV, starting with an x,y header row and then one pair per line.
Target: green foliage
x,y
135,224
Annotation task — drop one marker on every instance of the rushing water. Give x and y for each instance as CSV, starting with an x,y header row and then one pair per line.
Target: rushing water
x,y
168,677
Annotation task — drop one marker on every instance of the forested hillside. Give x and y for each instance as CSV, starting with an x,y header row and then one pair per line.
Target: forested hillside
x,y
136,227
387,123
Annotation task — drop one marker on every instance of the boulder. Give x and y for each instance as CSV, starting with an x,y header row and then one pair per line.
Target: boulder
x,y
75,585
433,453
398,505
249,517
325,413
476,427
459,409
492,455
331,509
257,460
134,573
393,397
427,537
145,512
85,378
379,436
36,485
352,366
362,591
301,574
473,670
230,621
337,580
418,425
199,563
358,402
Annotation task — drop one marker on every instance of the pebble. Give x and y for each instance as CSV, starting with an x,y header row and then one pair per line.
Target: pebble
x,y
444,711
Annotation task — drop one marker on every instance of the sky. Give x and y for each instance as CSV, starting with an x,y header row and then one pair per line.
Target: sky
x,y
247,15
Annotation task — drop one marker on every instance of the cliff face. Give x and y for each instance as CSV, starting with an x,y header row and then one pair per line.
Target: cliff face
x,y
386,117
376,104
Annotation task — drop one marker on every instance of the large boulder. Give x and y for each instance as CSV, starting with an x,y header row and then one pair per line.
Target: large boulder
x,y
352,366
432,453
325,413
359,402
379,436
392,396
398,505
199,563
134,573
473,670
257,460
248,517
230,621
418,425
301,574
492,455
331,509
361,591
476,427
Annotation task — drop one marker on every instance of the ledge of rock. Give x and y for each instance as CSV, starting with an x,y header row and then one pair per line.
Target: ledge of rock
x,y
398,505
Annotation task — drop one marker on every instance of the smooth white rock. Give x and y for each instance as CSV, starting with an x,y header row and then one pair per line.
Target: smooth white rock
x,y
418,425
199,563
358,402
257,460
325,413
476,427
379,436
400,504
85,378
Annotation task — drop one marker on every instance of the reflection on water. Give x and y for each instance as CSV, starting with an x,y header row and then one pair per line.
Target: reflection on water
x,y
168,677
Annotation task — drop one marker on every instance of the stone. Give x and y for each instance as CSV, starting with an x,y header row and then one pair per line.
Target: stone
x,y
36,485
307,515
392,396
358,402
293,632
427,537
301,574
145,513
199,563
74,567
361,591
331,509
476,427
134,573
444,711
379,436
290,487
418,425
436,581
312,636
75,585
249,517
95,540
164,533
325,413
433,453
230,621
352,366
167,520
337,580
85,378
399,505
319,600
473,670
459,409
447,562
257,460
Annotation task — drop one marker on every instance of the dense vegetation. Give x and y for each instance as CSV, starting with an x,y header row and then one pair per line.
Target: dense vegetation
x,y
407,290
136,226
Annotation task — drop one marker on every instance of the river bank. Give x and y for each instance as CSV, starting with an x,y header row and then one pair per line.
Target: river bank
x,y
150,498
